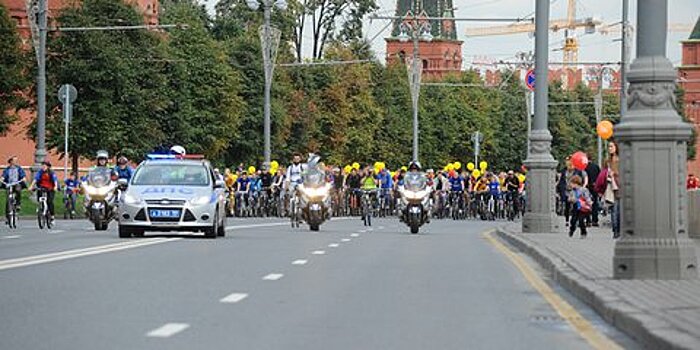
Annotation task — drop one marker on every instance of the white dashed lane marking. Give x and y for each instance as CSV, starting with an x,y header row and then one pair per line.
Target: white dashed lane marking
x,y
345,240
355,235
234,298
10,237
300,262
167,330
333,245
273,277
318,252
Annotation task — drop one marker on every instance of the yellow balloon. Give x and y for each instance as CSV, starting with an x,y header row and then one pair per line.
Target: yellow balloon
x,y
450,167
476,173
392,173
470,166
404,168
251,169
348,168
458,165
274,164
356,166
483,165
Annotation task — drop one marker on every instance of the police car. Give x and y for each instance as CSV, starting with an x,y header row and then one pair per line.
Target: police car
x,y
169,193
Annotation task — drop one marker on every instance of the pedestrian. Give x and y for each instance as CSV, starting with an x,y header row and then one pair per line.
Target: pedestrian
x,y
581,205
592,172
693,183
607,185
564,187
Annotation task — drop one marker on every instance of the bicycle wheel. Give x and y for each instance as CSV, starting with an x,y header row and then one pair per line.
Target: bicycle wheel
x,y
47,218
41,217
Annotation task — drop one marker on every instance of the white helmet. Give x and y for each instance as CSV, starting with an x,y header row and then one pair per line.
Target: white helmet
x,y
179,150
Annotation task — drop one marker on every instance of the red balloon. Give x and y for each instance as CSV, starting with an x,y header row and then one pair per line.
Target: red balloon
x,y
579,160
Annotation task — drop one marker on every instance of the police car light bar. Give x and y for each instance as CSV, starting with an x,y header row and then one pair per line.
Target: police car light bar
x,y
157,156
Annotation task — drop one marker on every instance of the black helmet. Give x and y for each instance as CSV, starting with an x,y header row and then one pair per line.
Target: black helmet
x,y
415,165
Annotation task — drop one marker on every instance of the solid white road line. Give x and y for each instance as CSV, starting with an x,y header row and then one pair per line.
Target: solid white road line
x,y
10,237
299,262
273,277
318,252
381,227
334,245
355,235
234,298
76,253
237,227
168,330
346,240
56,231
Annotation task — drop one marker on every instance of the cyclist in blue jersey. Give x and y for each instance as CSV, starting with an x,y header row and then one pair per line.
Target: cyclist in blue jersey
x,y
123,170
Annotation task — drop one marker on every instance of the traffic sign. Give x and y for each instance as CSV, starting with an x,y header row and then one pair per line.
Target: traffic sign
x,y
67,90
530,79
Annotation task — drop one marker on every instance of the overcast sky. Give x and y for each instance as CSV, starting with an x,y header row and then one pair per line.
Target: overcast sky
x,y
593,47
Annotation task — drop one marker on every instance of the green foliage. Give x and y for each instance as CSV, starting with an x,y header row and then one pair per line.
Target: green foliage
x,y
14,77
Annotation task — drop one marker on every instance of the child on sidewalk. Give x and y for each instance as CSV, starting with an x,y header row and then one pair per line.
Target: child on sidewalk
x,y
581,203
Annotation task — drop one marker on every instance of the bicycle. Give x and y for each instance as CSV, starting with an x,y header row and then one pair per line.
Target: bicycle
x,y
384,202
11,204
42,211
69,199
367,207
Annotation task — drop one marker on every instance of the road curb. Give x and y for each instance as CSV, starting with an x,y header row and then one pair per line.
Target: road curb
x,y
648,330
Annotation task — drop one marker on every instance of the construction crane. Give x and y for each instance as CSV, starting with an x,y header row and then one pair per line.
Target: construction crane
x,y
570,24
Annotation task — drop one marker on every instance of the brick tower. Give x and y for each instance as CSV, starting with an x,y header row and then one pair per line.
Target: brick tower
x,y
689,72
440,56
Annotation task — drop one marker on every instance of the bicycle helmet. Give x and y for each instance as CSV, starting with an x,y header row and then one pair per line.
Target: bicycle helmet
x,y
415,165
122,160
102,154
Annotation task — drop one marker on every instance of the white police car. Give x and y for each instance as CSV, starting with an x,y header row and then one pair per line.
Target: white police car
x,y
169,194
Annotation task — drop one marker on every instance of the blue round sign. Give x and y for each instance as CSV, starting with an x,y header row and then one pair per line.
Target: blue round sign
x,y
530,79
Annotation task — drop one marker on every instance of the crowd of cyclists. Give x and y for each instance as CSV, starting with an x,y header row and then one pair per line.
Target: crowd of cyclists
x,y
456,193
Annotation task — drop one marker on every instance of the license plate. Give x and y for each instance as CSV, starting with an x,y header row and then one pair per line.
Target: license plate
x,y
164,213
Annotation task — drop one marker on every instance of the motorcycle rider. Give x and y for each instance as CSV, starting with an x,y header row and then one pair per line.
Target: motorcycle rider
x,y
46,179
178,151
123,170
12,174
414,168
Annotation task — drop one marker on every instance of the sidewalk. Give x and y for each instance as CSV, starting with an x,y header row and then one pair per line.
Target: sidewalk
x,y
657,314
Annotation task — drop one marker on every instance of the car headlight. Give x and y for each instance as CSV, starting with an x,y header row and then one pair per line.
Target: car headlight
x,y
132,200
202,200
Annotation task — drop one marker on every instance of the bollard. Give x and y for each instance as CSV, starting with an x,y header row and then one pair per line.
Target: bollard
x,y
694,214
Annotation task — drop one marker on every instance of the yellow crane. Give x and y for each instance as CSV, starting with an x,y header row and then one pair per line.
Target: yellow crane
x,y
569,24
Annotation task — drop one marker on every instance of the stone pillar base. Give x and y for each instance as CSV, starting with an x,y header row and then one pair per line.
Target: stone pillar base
x,y
540,216
655,258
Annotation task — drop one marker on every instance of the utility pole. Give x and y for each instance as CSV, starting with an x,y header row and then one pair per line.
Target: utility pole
x,y
539,215
652,137
477,138
40,153
624,57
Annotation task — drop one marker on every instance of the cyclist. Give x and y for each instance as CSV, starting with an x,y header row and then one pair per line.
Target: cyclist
x,y
512,189
46,180
494,193
14,174
354,183
294,172
242,188
123,170
369,183
72,187
386,184
456,189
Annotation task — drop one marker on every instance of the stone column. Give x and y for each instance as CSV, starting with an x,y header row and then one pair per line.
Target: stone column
x,y
541,177
652,142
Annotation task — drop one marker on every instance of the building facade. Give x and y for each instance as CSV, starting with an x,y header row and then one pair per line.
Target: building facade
x,y
440,56
689,78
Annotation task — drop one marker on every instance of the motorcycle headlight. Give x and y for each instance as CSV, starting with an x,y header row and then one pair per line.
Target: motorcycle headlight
x,y
415,195
97,191
319,192
202,200
132,200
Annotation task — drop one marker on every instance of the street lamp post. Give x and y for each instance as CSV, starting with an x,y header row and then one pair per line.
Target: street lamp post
x,y
539,216
40,153
270,40
652,141
415,30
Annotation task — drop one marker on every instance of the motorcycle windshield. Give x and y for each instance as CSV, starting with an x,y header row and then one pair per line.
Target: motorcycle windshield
x,y
415,182
314,178
100,177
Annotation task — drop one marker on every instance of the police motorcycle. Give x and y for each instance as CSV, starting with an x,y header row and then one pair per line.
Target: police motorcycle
x,y
415,199
101,197
314,195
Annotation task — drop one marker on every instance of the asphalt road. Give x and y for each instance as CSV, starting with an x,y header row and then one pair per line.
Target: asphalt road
x,y
267,286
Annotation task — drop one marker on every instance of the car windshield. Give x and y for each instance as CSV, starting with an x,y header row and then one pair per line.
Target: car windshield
x,y
100,177
171,175
415,181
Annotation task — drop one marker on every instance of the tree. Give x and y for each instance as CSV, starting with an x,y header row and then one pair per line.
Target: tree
x,y
14,78
203,90
119,78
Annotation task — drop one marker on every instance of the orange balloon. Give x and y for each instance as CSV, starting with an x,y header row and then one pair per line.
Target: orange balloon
x,y
605,129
